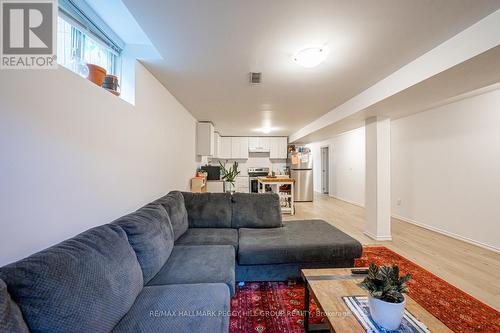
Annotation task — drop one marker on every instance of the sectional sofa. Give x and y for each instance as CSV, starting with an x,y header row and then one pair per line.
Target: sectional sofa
x,y
171,266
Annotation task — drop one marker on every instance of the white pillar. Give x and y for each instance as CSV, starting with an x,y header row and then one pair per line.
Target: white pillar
x,y
378,178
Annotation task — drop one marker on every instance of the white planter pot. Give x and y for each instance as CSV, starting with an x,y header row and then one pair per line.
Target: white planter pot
x,y
387,315
228,187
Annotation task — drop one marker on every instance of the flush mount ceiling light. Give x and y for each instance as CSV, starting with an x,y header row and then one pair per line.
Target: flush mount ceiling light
x,y
310,57
266,130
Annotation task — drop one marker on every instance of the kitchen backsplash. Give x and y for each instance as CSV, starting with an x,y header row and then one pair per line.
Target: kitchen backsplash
x,y
257,160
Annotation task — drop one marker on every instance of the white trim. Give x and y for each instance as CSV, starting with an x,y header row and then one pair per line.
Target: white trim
x,y
345,200
447,233
378,238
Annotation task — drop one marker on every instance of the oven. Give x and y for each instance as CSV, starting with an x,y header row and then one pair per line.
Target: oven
x,y
253,174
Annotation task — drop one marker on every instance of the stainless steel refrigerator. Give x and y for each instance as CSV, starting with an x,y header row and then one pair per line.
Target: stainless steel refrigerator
x,y
301,169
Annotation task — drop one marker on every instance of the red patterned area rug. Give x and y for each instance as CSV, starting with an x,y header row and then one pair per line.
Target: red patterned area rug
x,y
275,307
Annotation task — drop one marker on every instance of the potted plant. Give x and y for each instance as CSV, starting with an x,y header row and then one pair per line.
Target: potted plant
x,y
386,300
229,175
96,74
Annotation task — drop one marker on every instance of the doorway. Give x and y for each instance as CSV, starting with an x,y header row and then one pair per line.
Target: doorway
x,y
325,169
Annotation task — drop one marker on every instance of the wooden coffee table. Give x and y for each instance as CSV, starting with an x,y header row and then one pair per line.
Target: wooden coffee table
x,y
328,286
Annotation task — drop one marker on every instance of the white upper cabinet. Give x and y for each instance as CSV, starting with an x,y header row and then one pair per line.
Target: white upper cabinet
x,y
205,139
259,144
217,145
278,148
239,147
225,147
233,147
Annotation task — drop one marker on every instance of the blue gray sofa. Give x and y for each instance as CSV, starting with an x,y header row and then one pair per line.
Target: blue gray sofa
x,y
171,266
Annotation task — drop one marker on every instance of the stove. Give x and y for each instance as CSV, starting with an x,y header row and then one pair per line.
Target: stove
x,y
253,173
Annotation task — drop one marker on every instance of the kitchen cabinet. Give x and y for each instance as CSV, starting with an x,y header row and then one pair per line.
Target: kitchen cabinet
x,y
225,147
215,186
205,139
278,148
232,147
259,144
241,184
217,145
239,147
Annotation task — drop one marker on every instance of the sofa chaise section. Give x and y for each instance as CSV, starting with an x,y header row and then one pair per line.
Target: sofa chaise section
x,y
279,254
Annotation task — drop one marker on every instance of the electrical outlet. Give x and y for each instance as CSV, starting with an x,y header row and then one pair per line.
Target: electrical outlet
x,y
398,202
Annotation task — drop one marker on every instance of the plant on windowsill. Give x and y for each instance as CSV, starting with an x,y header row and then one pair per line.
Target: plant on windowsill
x,y
229,175
96,74
386,300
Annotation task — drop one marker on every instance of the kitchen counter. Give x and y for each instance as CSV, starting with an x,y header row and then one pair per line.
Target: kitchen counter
x,y
278,179
283,186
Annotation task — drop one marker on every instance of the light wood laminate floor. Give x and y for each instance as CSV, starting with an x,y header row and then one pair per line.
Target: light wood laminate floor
x,y
468,267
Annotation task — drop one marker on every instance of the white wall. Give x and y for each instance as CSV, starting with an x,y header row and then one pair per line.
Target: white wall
x,y
446,168
73,156
347,166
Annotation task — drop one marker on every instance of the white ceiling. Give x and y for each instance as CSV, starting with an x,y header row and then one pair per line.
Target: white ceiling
x,y
482,74
208,48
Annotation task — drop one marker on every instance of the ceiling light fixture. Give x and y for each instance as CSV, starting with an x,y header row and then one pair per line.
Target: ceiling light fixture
x,y
266,130
311,57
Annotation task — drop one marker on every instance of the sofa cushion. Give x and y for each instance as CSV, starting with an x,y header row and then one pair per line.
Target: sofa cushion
x,y
150,234
209,236
296,242
208,210
256,210
11,319
84,284
194,308
198,264
174,205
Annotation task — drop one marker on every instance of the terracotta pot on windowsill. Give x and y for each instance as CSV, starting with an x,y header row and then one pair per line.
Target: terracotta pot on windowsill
x,y
96,74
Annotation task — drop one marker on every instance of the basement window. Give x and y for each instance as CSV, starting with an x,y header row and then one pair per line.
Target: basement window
x,y
80,41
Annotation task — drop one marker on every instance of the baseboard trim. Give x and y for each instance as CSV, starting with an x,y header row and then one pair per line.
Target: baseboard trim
x,y
345,200
378,238
447,233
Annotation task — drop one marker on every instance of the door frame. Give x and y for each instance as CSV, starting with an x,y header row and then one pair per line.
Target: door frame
x,y
326,174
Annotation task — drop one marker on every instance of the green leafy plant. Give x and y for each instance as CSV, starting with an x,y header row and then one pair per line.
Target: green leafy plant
x,y
229,175
385,283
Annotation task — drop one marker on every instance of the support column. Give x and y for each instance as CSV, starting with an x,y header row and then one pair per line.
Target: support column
x,y
378,178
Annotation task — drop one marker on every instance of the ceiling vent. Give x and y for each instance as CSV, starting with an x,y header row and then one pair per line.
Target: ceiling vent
x,y
255,78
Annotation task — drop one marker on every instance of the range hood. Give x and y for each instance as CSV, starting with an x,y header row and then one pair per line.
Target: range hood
x,y
259,150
